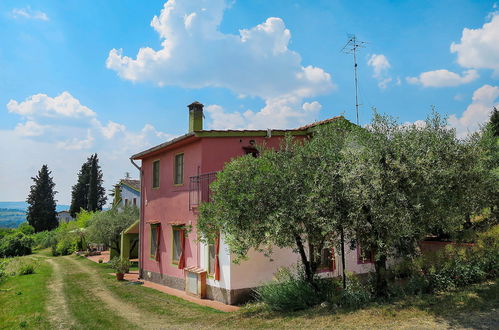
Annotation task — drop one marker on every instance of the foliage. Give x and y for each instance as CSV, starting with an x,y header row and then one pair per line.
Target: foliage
x,y
26,229
20,266
88,193
72,236
456,266
45,239
3,265
282,198
41,212
290,291
16,244
119,265
106,227
406,182
355,295
494,122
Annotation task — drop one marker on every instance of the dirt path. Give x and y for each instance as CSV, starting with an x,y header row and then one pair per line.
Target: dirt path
x,y
139,318
59,315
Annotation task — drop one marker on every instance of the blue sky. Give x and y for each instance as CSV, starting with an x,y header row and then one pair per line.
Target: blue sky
x,y
78,77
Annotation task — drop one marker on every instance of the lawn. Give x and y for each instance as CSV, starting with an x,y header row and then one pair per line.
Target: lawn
x,y
94,299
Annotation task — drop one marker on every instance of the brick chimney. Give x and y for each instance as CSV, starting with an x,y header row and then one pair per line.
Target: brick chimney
x,y
195,116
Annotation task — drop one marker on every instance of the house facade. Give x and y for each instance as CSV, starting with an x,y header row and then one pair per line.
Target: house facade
x,y
175,178
129,193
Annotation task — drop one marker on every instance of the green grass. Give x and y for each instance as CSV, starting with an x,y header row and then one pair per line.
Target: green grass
x,y
472,307
23,299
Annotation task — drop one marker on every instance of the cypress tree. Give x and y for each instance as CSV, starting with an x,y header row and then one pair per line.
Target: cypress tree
x,y
88,193
41,210
494,121
79,192
96,192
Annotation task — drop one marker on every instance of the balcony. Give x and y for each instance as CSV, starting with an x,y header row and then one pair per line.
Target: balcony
x,y
199,189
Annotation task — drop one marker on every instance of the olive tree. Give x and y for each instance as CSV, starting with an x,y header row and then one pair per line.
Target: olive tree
x,y
106,227
403,183
273,201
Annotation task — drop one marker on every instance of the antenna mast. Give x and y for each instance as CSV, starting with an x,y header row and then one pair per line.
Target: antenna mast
x,y
351,48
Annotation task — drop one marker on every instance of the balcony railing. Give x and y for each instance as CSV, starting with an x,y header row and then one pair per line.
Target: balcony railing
x,y
199,189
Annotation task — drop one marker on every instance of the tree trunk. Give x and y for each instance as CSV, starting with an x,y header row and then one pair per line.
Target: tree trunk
x,y
381,282
343,266
309,274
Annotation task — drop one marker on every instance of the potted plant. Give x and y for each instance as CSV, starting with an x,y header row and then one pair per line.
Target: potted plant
x,y
120,267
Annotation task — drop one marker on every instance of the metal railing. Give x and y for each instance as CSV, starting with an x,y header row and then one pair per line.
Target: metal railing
x,y
199,189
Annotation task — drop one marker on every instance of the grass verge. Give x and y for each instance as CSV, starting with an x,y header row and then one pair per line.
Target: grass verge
x,y
23,299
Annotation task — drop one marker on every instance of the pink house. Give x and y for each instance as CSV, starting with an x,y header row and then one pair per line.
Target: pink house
x,y
175,176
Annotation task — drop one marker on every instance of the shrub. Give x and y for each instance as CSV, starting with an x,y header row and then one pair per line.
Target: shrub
x,y
288,292
21,266
16,244
355,294
101,261
120,265
3,273
45,239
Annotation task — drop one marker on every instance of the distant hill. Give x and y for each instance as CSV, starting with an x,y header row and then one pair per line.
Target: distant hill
x,y
12,214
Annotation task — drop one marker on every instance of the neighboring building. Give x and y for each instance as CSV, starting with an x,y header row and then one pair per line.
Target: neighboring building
x,y
127,193
175,180
64,217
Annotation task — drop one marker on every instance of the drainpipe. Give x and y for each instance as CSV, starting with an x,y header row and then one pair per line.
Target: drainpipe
x,y
141,216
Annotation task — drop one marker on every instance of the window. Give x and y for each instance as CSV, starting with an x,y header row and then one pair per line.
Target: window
x,y
328,260
155,174
154,241
364,256
177,245
179,169
211,259
126,202
135,202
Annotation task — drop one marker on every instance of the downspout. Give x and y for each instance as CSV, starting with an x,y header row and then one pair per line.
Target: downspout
x,y
141,217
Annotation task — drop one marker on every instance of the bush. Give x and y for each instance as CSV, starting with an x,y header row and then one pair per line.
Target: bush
x,y
355,294
20,266
288,292
45,239
120,265
16,244
3,273
456,266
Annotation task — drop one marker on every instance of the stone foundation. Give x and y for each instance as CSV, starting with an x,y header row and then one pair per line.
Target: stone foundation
x,y
229,297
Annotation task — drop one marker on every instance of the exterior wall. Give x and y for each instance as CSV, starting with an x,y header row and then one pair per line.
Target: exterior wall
x,y
170,203
129,194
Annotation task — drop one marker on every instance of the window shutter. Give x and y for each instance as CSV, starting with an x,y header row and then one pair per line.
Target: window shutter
x,y
158,240
181,262
217,260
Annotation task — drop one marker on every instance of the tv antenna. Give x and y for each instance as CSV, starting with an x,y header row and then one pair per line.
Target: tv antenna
x,y
351,48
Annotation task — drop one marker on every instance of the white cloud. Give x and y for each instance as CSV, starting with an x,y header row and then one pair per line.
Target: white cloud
x,y
478,112
443,78
41,105
256,62
45,133
380,65
479,48
76,143
29,13
30,128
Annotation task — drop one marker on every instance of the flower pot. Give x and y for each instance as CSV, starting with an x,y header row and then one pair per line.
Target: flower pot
x,y
120,276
